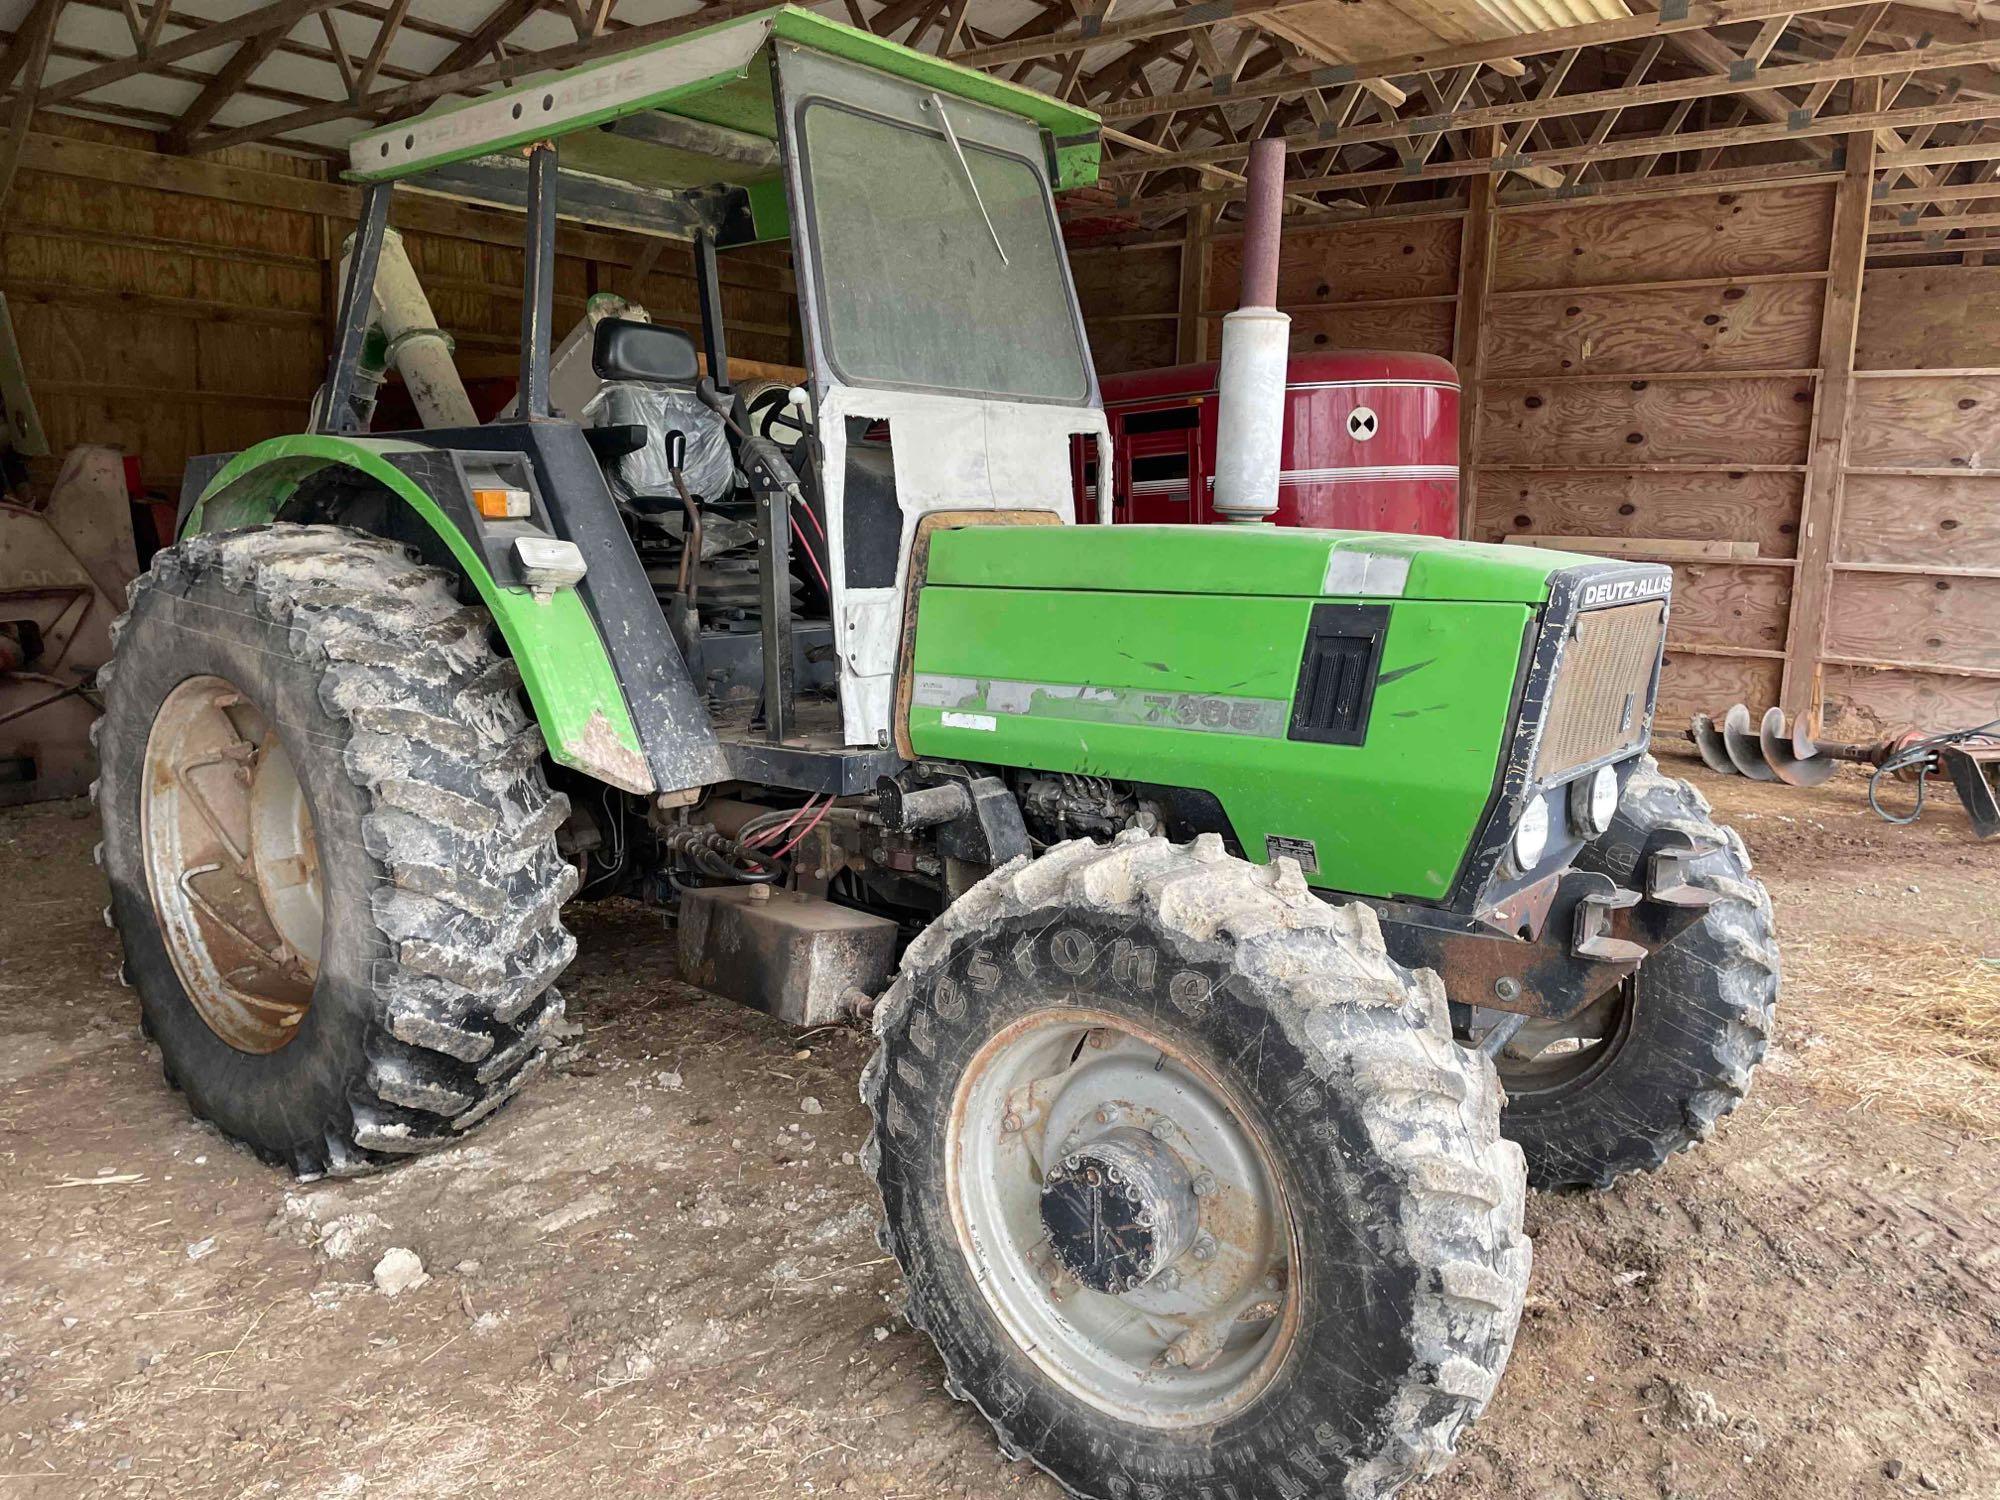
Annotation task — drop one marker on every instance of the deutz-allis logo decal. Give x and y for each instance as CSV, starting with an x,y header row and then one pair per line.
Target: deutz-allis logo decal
x,y
1620,590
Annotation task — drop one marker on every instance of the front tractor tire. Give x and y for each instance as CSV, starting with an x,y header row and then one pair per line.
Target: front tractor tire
x,y
1189,1182
1651,1068
330,846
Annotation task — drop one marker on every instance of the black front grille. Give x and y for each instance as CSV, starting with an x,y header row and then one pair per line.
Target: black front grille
x,y
1337,678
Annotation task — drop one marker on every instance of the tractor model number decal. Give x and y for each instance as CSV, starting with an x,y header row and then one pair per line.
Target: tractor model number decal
x,y
1277,847
961,698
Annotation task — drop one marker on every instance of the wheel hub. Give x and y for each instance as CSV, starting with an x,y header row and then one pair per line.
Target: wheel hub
x,y
1123,1216
1120,1210
232,864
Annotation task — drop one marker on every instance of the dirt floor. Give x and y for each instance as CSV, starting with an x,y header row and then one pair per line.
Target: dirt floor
x,y
655,1272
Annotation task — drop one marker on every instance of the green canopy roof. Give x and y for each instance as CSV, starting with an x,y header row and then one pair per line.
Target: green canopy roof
x,y
708,78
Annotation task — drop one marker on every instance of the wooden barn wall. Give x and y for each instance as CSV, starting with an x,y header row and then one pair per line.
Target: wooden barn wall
x,y
1648,373
173,307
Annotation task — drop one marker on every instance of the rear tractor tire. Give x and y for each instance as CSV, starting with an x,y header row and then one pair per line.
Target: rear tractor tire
x,y
1649,1070
1189,1182
330,846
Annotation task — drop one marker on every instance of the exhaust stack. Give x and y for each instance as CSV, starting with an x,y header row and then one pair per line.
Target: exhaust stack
x,y
1256,350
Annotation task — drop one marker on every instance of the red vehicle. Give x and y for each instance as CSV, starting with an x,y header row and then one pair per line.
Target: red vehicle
x,y
1371,444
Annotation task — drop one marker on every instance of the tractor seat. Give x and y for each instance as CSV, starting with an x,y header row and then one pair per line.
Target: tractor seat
x,y
649,373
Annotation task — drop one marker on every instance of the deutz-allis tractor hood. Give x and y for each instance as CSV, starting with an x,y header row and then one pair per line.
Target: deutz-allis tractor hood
x,y
1240,560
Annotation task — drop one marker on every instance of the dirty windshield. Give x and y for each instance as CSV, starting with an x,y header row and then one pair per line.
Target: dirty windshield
x,y
937,273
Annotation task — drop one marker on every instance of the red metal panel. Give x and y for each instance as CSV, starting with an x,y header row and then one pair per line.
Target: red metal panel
x,y
1371,442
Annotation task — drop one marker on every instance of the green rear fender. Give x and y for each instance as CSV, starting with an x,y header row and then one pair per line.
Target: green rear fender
x,y
569,677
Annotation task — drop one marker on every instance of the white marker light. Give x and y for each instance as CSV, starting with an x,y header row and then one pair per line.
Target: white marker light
x,y
1531,835
1593,802
547,564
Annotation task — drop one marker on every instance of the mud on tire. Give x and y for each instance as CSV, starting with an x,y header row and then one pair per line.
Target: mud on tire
x,y
1693,1023
434,999
1409,1262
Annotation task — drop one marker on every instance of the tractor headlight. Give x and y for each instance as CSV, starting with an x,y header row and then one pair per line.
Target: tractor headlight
x,y
1593,802
1531,835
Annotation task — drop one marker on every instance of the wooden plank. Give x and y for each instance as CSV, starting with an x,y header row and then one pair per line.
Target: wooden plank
x,y
1925,317
1944,422
1921,523
1935,224
1471,318
1760,509
1772,231
1862,704
33,49
1350,262
1726,326
1656,548
1820,517
1691,421
15,58
1934,621
1192,345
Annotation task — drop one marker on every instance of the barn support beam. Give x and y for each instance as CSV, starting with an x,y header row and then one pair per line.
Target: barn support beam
x,y
1819,519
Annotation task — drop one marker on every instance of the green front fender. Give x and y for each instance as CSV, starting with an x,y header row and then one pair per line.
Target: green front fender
x,y
569,677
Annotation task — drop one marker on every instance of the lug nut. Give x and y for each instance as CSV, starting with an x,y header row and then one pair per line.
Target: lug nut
x,y
1169,1279
1204,1248
1011,1123
1204,1185
1161,1130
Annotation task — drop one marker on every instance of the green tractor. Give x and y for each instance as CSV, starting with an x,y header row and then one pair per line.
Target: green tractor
x,y
1247,916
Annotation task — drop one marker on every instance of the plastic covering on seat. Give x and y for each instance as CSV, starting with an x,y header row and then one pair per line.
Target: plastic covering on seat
x,y
642,478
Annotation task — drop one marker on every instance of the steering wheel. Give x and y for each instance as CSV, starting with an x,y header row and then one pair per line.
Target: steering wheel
x,y
768,405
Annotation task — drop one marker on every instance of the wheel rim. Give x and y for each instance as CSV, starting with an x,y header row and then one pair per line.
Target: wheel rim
x,y
1084,1148
1551,1057
232,863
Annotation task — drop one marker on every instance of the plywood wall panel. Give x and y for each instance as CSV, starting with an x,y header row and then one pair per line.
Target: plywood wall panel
x,y
1128,281
1730,605
1863,704
1908,617
70,344
1746,507
1691,684
47,200
1929,318
48,258
1557,423
1351,263
1921,522
1424,328
218,305
1772,325
1926,422
1121,347
1669,239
